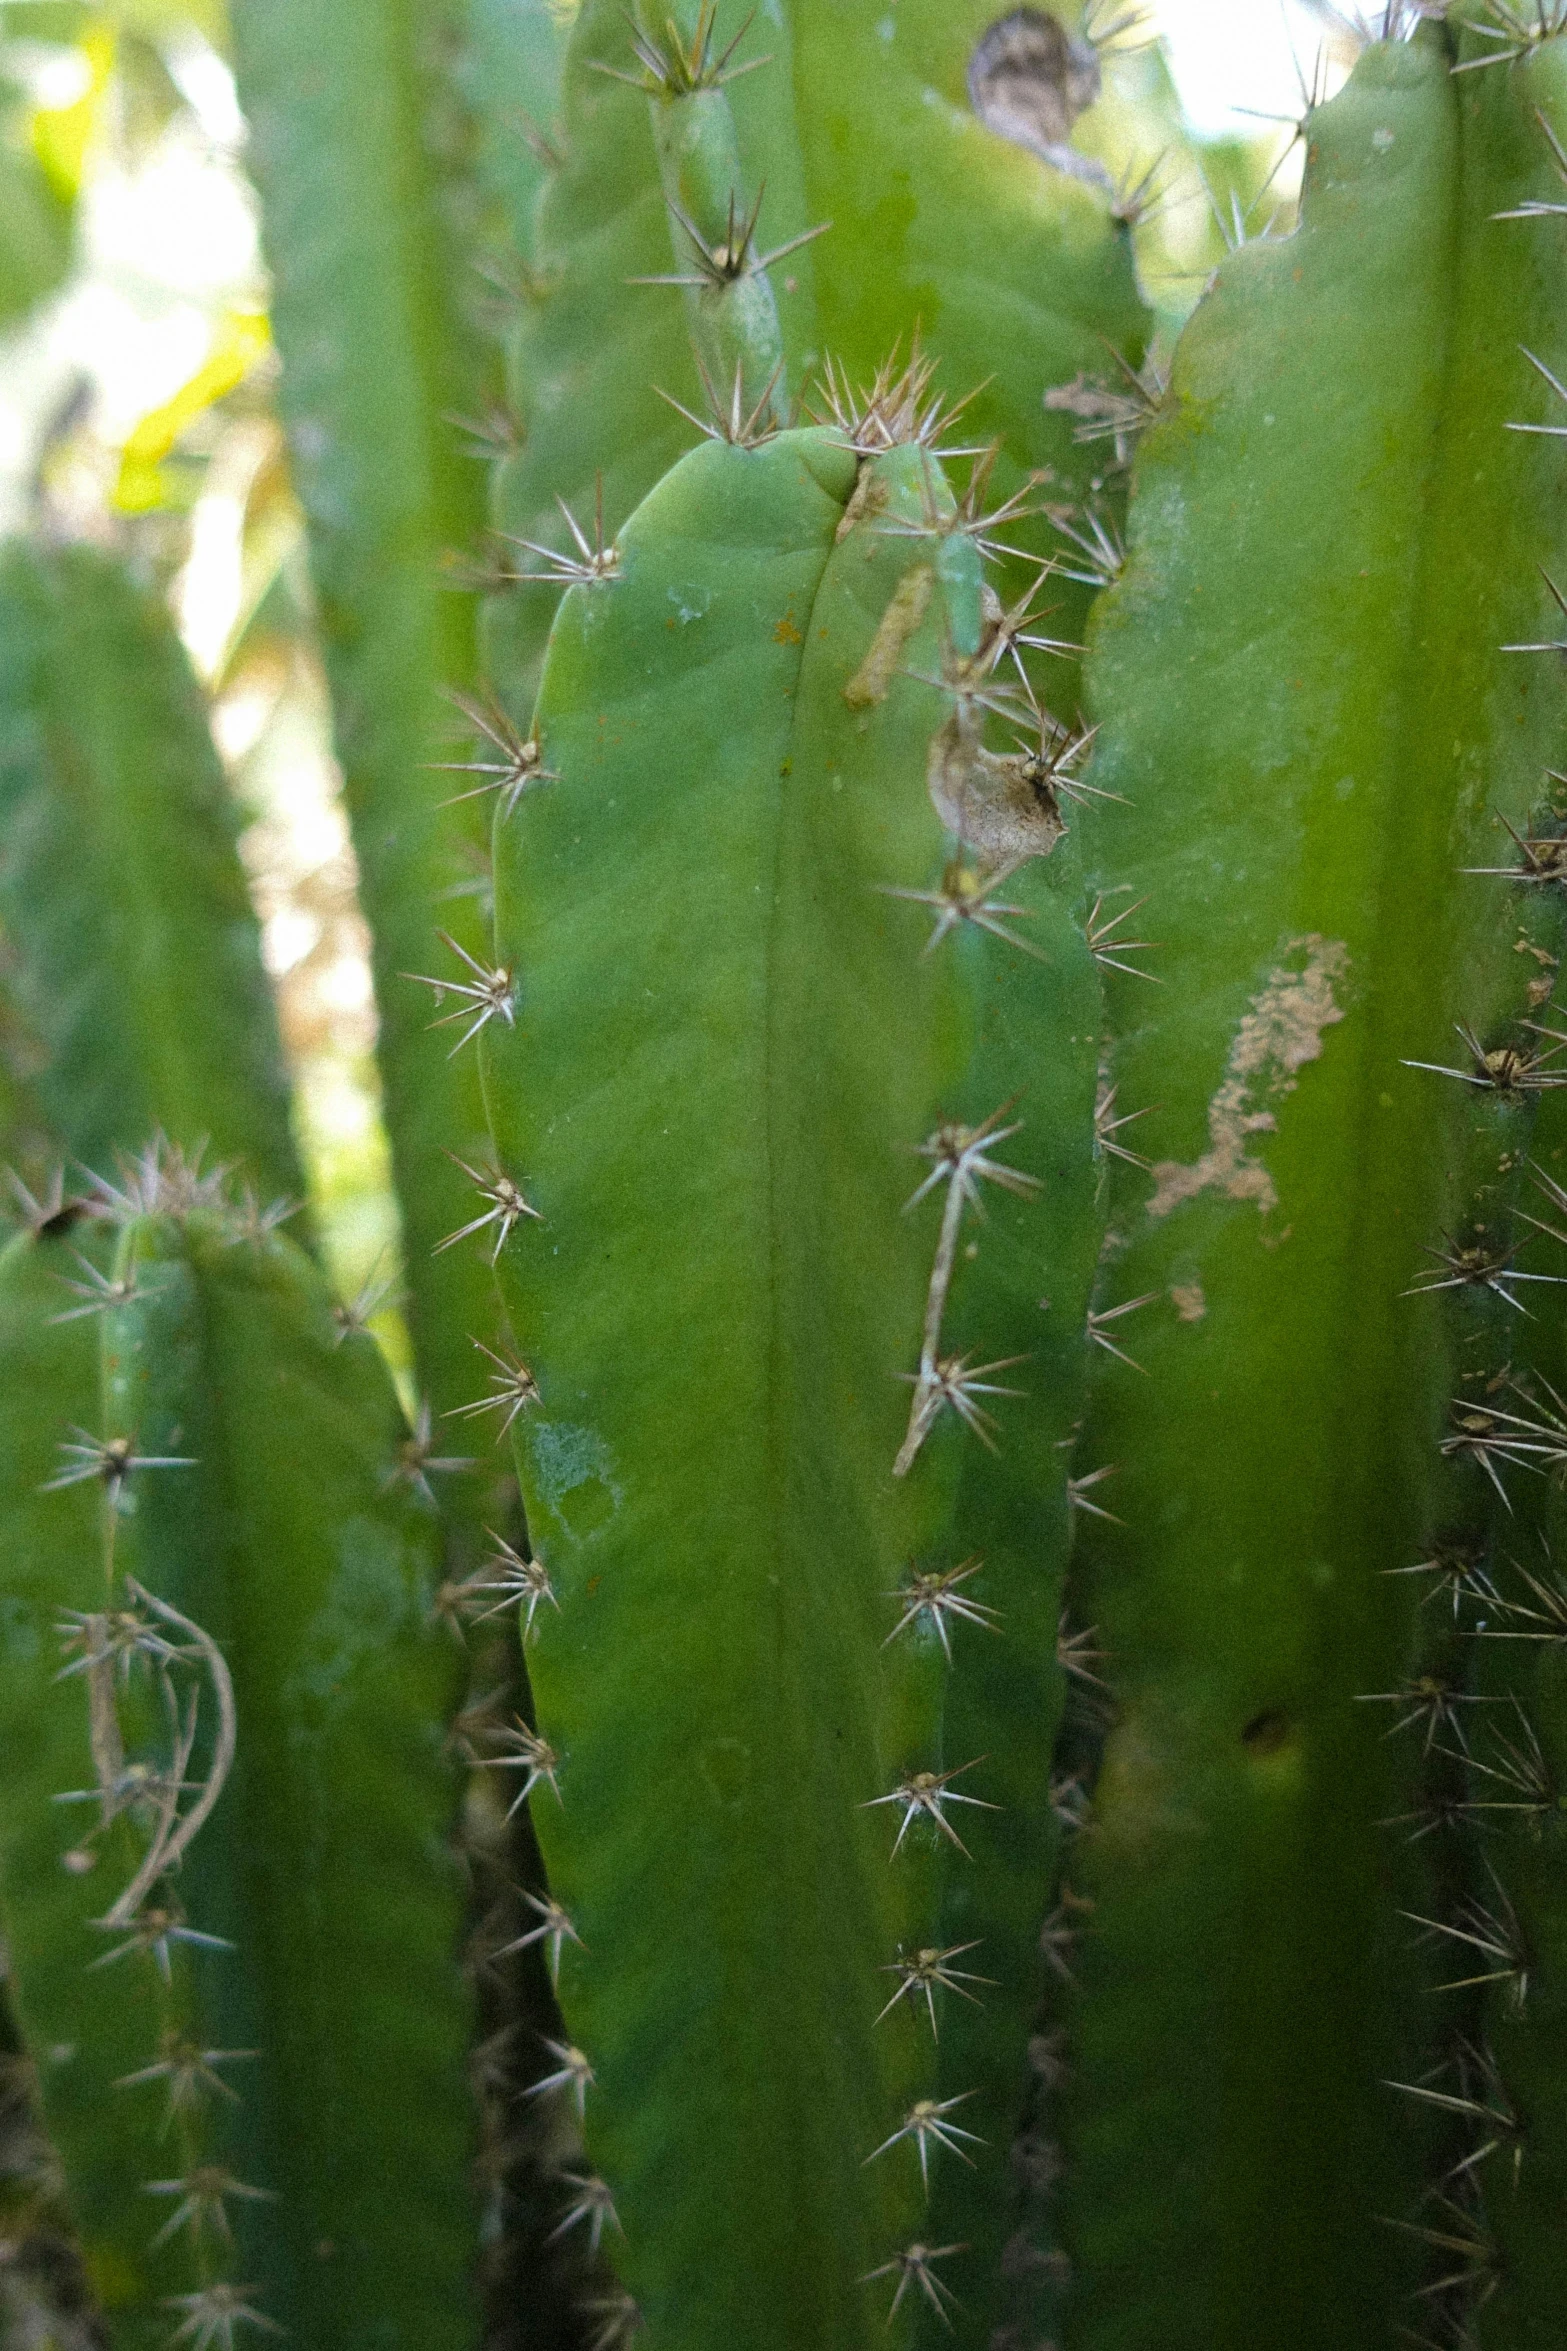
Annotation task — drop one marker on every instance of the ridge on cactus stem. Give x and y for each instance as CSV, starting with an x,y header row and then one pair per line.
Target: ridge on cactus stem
x,y
206,1665
159,1016
380,125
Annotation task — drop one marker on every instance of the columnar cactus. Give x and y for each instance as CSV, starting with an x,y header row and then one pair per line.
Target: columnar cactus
x,y
1317,694
213,1952
138,988
789,1138
1026,1199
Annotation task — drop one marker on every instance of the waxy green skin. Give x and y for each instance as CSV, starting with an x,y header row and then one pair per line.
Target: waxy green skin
x,y
1014,277
325,1863
588,349
135,960
509,52
366,288
373,286
728,1046
1303,697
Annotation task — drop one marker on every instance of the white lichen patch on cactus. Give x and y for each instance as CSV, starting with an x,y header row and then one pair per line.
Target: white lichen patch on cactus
x,y
1281,1030
576,1476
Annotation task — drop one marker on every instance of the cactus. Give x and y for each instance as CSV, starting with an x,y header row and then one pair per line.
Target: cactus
x,y
232,1482
837,1719
1015,1247
139,989
951,238
341,110
1312,694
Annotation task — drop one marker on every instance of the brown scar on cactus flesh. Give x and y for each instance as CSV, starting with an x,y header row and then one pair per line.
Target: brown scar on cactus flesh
x,y
1029,79
867,500
991,800
1281,1030
908,607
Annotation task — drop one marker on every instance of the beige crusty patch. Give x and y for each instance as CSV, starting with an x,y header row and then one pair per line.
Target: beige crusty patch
x,y
1281,1031
1029,79
988,798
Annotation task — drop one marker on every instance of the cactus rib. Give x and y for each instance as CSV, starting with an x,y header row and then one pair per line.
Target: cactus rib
x,y
210,1949
1304,696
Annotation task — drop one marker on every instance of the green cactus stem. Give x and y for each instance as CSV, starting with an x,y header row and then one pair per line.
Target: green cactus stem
x,y
506,65
227,1884
135,966
934,229
1311,698
803,1104
366,314
1016,1251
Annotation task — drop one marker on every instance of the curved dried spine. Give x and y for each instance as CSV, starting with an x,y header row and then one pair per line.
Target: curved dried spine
x,y
176,1831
